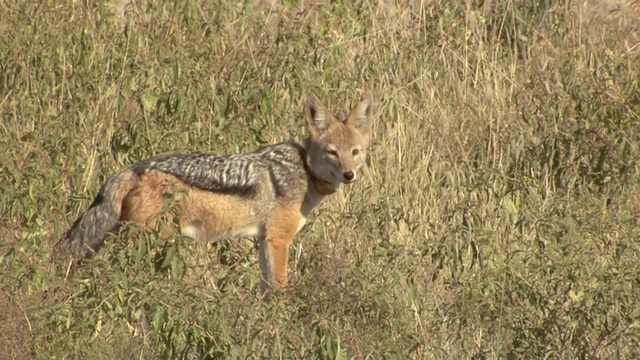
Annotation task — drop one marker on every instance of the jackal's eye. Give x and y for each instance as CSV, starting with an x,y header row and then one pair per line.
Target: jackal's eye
x,y
332,153
355,152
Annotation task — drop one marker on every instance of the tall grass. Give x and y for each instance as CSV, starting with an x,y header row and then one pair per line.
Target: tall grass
x,y
497,217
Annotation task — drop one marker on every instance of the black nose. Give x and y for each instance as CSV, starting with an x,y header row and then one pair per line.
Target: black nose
x,y
349,175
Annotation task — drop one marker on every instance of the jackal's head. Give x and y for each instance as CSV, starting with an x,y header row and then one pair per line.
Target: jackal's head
x,y
337,149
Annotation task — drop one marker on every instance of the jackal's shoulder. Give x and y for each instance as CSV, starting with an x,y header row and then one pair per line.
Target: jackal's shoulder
x,y
286,166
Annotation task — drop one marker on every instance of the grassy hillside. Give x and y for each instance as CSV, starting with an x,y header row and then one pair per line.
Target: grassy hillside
x,y
497,216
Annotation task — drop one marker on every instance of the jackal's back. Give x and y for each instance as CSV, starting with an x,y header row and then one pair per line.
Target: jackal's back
x,y
275,171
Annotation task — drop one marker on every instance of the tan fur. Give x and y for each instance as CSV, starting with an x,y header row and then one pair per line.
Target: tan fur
x,y
214,214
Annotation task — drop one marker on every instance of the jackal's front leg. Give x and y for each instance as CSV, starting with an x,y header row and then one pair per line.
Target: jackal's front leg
x,y
274,248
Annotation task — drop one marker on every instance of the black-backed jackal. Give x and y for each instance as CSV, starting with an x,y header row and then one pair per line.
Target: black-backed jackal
x,y
267,194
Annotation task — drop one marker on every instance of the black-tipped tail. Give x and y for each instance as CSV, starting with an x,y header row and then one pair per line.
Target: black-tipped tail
x,y
90,230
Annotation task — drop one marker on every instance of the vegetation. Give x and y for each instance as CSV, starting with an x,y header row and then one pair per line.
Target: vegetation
x,y
497,217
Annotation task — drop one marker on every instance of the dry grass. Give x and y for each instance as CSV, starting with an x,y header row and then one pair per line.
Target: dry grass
x,y
497,217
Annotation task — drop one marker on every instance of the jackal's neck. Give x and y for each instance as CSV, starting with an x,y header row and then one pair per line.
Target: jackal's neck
x,y
320,186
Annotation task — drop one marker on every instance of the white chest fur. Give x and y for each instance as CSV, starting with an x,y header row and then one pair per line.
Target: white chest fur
x,y
303,220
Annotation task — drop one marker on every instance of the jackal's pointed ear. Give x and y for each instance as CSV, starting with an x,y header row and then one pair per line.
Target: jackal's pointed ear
x,y
360,116
318,117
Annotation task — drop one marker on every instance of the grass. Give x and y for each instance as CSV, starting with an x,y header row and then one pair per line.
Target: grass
x,y
497,217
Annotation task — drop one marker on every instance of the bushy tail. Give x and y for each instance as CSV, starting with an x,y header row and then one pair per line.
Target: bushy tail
x,y
90,230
